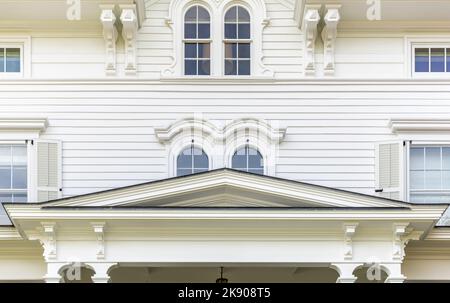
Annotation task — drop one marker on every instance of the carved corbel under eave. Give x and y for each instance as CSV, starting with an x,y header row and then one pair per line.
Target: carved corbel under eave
x,y
99,230
110,35
49,242
310,22
349,232
129,31
401,236
329,34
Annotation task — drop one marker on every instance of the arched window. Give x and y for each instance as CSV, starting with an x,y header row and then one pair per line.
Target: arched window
x,y
237,41
248,159
197,41
192,160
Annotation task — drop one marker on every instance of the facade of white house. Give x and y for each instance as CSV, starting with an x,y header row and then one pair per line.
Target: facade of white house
x,y
277,140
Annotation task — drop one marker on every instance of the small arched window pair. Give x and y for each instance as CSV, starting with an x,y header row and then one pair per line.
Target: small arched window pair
x,y
236,41
194,160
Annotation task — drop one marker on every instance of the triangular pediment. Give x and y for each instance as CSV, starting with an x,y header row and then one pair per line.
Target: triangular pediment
x,y
226,188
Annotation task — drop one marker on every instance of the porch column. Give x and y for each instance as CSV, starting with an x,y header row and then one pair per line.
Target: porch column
x,y
345,271
101,271
394,272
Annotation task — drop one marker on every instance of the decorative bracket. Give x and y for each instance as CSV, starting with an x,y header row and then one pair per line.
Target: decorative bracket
x,y
99,230
402,235
129,32
49,229
349,232
310,22
108,20
329,34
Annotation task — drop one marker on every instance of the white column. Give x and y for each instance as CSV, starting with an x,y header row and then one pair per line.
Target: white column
x,y
394,272
345,271
101,271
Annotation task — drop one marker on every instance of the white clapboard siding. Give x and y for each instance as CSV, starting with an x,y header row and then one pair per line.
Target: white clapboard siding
x,y
49,170
389,166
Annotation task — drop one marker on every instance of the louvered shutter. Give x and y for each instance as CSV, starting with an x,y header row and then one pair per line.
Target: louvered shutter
x,y
48,170
389,165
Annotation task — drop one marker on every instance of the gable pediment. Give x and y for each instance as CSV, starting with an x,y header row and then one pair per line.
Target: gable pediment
x,y
225,188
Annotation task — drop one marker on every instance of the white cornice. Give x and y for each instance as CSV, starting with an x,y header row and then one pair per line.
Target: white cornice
x,y
419,125
23,124
9,233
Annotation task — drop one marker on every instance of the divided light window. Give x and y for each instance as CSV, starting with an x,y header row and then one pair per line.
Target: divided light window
x,y
237,41
197,41
430,174
432,60
10,60
13,173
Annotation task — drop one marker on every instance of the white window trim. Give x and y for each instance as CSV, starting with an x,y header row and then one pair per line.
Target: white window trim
x,y
419,143
25,131
217,9
412,42
24,43
30,163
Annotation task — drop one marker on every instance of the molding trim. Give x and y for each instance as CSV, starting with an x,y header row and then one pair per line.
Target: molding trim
x,y
329,34
50,249
420,125
23,124
110,35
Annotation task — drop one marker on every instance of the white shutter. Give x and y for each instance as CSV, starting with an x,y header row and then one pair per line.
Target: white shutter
x,y
389,165
48,170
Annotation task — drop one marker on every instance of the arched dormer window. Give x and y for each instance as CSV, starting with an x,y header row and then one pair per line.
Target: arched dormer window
x,y
248,159
197,41
192,160
237,41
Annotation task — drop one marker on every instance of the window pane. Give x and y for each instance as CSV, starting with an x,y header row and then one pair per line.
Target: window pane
x,y
5,177
183,172
231,15
204,50
5,155
239,160
19,197
6,197
417,158
203,31
230,67
2,60
243,15
433,158
256,171
204,67
230,50
432,180
190,67
203,15
230,31
244,50
19,155
13,60
185,160
244,67
201,160
417,180
446,158
244,31
191,15
448,59
422,60
19,177
190,50
438,60
190,31
255,160
446,179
